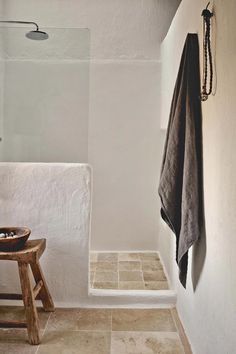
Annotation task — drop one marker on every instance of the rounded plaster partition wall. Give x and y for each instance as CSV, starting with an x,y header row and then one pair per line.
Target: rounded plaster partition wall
x,y
54,201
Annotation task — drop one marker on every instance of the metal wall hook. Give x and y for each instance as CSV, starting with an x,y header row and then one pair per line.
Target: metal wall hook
x,y
207,13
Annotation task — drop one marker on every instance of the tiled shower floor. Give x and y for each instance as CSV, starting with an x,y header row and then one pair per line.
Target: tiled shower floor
x,y
97,331
127,271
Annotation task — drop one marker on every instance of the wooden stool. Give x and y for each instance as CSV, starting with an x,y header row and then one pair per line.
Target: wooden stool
x,y
29,256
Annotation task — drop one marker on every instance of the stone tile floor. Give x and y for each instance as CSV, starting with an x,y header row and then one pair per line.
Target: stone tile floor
x,y
97,331
127,271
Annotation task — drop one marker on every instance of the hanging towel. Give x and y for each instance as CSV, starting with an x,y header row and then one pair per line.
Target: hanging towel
x,y
180,188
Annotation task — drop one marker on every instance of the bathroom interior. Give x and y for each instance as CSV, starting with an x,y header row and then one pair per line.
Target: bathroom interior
x,y
84,111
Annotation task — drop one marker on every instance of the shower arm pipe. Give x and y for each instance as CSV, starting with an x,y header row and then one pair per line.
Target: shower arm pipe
x,y
22,23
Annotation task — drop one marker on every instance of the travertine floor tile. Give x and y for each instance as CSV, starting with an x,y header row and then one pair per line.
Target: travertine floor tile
x,y
75,342
143,320
132,267
94,319
131,285
129,265
105,285
80,319
88,331
93,266
106,266
93,257
181,332
107,257
17,313
130,276
151,265
106,276
148,256
145,343
15,341
156,275
129,257
156,285
92,274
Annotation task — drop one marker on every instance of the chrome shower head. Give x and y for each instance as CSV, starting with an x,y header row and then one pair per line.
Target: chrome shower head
x,y
37,35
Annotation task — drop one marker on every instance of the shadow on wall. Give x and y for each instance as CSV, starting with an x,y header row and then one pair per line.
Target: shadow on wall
x,y
200,247
198,258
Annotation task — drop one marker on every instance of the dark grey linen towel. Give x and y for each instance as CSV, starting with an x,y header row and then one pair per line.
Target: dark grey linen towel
x,y
180,187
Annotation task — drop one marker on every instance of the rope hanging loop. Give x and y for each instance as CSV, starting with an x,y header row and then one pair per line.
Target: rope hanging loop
x,y
207,59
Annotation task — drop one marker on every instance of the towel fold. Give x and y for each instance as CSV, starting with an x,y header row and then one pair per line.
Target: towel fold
x,y
181,182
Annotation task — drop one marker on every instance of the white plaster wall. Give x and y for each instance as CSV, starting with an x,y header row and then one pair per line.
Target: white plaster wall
x,y
124,146
54,201
1,85
208,313
123,138
2,71
125,29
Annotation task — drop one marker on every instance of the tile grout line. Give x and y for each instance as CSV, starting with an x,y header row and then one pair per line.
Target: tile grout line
x,y
160,333
142,273
90,285
44,330
118,270
181,333
141,270
104,271
95,271
141,264
116,331
111,329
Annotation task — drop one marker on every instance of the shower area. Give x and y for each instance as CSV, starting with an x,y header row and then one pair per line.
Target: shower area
x,y
44,93
58,104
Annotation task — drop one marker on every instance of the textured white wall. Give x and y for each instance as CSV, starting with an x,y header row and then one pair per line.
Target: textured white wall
x,y
209,312
2,71
123,140
123,149
54,201
125,29
1,85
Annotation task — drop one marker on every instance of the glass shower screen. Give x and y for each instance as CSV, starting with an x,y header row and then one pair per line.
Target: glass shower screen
x,y
44,95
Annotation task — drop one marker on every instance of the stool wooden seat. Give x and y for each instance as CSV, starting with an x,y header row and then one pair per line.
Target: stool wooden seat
x,y
27,258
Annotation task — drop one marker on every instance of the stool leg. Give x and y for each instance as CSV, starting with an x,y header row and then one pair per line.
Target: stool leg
x,y
29,303
44,294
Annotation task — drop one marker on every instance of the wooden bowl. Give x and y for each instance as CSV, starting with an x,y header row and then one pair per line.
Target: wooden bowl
x,y
10,244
